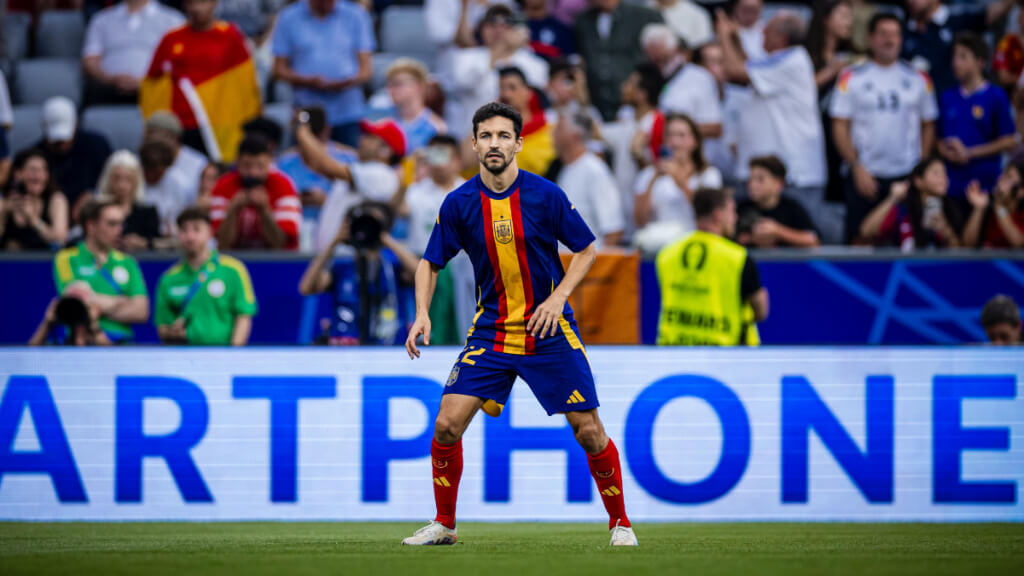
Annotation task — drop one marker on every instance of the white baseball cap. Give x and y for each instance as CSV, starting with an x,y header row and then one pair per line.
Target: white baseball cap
x,y
59,119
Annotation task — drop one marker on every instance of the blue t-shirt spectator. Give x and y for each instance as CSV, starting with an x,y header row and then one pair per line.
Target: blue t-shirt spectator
x,y
329,48
933,42
976,118
388,313
304,179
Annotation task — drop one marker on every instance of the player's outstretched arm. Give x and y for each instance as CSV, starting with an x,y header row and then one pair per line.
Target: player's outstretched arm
x,y
426,282
545,317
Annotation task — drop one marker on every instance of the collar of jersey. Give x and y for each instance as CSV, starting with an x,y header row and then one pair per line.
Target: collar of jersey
x,y
508,191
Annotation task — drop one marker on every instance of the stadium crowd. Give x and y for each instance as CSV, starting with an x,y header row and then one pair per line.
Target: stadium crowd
x,y
273,125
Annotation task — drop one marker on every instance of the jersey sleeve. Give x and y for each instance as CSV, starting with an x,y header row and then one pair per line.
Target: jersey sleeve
x,y
136,283
444,241
162,312
570,229
287,209
750,279
1004,123
243,299
929,106
842,100
773,74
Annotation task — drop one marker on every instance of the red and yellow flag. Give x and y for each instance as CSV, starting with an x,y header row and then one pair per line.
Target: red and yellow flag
x,y
218,64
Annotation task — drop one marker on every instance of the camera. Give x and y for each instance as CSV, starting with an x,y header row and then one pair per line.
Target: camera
x,y
366,223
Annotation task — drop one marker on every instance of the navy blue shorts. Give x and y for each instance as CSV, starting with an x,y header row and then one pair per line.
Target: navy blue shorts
x,y
560,377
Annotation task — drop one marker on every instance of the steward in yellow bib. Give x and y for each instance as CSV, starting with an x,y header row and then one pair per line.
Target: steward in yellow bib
x,y
711,293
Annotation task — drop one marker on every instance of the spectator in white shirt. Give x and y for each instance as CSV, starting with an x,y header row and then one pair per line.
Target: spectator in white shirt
x,y
721,151
689,89
587,180
883,121
689,21
664,191
751,29
119,44
450,24
475,70
179,186
781,116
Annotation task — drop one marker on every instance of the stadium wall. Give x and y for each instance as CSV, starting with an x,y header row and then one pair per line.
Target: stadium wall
x,y
820,434
818,298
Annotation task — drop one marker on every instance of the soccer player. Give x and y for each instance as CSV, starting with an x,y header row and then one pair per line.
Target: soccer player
x,y
510,222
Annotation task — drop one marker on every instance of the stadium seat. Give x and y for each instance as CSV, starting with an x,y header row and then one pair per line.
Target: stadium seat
x,y
381,61
27,129
402,32
281,112
120,125
16,35
39,79
60,34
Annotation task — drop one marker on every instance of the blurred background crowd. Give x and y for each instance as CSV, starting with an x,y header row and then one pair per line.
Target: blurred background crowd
x,y
334,126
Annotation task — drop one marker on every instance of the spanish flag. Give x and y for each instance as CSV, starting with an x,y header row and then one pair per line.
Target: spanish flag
x,y
217,64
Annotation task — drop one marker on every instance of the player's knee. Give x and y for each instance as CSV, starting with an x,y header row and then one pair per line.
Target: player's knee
x,y
447,430
590,435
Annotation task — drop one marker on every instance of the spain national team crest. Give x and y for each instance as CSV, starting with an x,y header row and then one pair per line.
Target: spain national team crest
x,y
503,231
453,376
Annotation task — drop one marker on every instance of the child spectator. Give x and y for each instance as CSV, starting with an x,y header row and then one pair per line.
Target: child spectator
x,y
777,219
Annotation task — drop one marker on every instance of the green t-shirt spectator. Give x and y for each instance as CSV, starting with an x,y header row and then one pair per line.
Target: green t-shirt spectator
x,y
119,276
209,299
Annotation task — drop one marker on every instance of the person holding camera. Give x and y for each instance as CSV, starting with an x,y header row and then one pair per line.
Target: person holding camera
x,y
364,289
255,206
101,276
70,321
207,297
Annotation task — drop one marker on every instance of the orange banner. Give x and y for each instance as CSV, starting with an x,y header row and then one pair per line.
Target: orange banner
x,y
607,302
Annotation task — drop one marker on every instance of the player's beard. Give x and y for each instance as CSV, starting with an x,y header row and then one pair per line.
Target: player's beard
x,y
492,168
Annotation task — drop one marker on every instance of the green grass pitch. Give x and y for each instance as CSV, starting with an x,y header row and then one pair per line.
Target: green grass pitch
x,y
254,549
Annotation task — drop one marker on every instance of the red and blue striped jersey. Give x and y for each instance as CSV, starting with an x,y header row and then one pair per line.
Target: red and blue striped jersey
x,y
512,239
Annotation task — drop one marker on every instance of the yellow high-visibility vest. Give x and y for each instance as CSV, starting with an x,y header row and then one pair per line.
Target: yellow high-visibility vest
x,y
700,278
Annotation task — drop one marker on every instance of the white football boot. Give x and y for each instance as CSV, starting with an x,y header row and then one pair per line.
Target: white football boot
x,y
437,534
623,536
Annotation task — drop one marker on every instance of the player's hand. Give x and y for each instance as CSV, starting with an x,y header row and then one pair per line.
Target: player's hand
x,y
420,326
545,317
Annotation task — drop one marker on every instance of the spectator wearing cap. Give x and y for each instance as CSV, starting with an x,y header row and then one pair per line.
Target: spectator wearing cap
x,y
103,276
587,180
775,219
997,219
781,117
1001,320
255,206
207,297
407,84
975,121
689,89
550,38
475,72
930,28
372,177
538,147
119,44
610,57
122,183
76,156
204,73
312,186
322,48
690,22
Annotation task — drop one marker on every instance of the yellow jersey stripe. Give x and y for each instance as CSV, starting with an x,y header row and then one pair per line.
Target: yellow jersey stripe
x,y
243,276
63,260
512,279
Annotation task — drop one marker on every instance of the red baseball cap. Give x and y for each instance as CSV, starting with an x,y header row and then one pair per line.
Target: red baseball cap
x,y
389,132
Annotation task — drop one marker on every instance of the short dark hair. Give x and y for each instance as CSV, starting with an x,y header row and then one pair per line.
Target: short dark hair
x,y
707,200
253,145
971,41
651,81
883,16
443,140
317,119
513,71
156,153
495,109
772,164
192,214
559,66
1001,309
93,209
268,128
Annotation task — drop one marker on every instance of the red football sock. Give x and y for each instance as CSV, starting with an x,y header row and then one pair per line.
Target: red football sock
x,y
446,462
604,467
